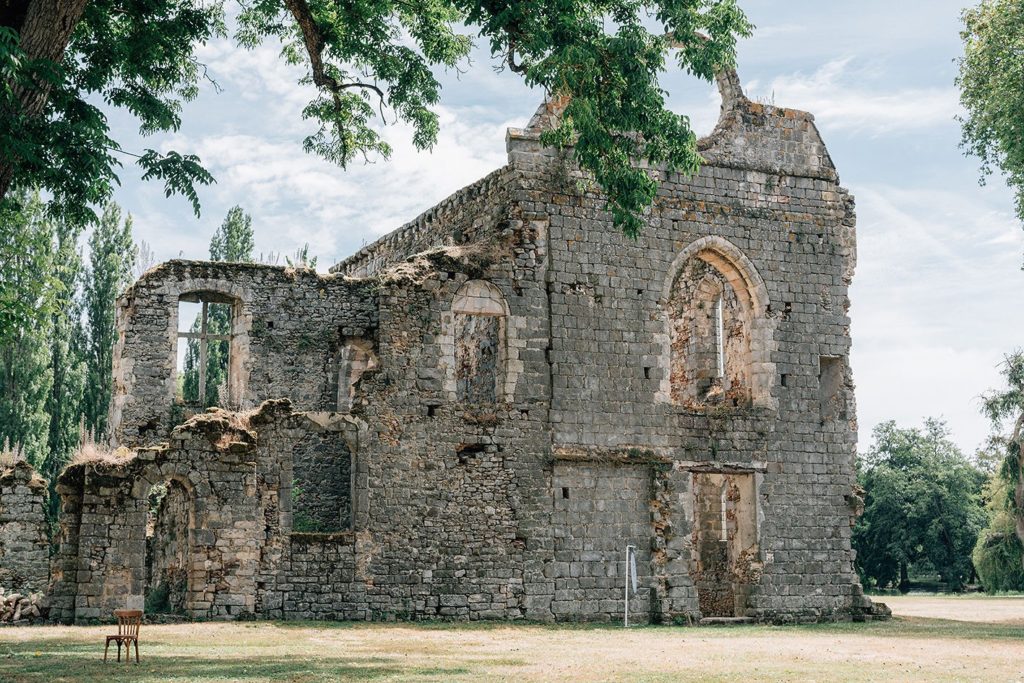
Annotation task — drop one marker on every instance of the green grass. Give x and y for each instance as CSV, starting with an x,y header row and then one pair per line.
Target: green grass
x,y
901,649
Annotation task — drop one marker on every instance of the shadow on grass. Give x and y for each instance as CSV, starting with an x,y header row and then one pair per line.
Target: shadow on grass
x,y
59,662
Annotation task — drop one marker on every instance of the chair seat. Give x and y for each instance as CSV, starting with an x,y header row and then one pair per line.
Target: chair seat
x,y
121,638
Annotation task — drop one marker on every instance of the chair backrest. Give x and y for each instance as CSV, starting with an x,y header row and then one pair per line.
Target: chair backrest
x,y
128,621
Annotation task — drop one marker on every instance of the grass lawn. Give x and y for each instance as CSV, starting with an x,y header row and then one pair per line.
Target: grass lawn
x,y
979,639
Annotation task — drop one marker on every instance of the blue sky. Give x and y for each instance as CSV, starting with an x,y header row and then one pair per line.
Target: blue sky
x,y
937,296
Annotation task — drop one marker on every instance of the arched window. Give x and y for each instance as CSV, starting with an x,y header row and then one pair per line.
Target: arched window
x,y
719,336
478,331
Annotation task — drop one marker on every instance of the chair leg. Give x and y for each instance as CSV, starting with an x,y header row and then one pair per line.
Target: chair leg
x,y
119,650
106,649
136,651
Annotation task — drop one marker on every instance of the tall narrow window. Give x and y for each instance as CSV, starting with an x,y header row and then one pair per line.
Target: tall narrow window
x,y
205,323
478,313
725,515
719,339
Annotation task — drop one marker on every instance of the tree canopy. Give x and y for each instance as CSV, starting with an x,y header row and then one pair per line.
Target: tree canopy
x,y
111,256
991,74
1005,408
365,62
922,508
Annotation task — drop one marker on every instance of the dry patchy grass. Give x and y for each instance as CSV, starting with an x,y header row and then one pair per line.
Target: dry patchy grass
x,y
968,607
905,649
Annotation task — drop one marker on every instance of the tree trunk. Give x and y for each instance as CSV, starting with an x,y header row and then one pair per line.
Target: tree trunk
x,y
44,27
904,578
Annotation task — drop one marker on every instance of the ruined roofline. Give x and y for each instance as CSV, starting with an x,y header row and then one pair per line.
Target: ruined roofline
x,y
727,145
224,429
423,222
724,147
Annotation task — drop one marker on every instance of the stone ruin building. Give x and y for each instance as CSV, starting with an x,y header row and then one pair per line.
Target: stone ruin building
x,y
473,416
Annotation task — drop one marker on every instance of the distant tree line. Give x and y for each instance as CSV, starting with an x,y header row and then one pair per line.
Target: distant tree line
x,y
923,507
930,511
57,328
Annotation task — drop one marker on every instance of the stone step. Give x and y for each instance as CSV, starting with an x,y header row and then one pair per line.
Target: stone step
x,y
725,621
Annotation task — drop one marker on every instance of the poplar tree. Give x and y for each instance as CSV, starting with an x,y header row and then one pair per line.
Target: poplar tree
x,y
27,295
233,241
111,256
67,358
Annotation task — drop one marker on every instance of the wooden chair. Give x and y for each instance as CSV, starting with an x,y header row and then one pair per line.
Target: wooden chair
x,y
128,623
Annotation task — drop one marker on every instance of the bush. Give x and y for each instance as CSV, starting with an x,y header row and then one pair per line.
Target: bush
x,y
158,599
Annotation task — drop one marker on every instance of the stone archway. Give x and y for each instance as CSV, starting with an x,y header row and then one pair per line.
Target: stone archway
x,y
713,274
169,547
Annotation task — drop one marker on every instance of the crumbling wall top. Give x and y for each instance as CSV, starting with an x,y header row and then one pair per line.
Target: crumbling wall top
x,y
445,224
22,472
749,135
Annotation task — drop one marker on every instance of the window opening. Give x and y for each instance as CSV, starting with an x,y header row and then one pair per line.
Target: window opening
x,y
830,387
719,339
725,518
478,313
204,348
355,357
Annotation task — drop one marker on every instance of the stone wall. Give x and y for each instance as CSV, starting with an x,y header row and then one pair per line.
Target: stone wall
x,y
505,349
24,542
462,218
287,327
212,465
599,509
768,211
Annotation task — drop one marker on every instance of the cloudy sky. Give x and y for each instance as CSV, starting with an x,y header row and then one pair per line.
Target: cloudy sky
x,y
937,298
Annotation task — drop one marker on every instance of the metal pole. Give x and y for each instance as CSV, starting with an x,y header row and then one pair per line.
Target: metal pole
x,y
625,592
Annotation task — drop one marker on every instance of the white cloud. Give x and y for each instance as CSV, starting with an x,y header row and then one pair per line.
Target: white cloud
x,y
935,304
843,97
908,382
296,197
250,138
